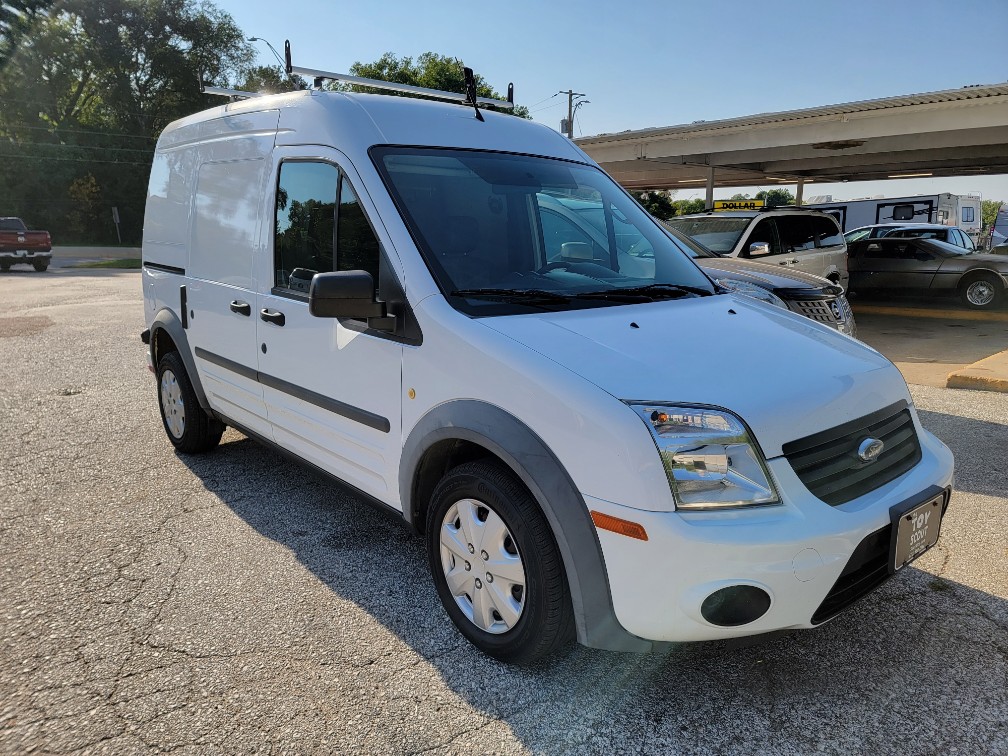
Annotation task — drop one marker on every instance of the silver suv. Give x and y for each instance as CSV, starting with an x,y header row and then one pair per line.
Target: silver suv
x,y
808,240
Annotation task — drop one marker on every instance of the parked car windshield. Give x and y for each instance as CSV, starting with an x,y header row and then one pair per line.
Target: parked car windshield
x,y
856,235
718,234
505,233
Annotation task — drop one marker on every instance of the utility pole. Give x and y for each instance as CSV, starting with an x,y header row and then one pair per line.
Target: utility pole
x,y
571,94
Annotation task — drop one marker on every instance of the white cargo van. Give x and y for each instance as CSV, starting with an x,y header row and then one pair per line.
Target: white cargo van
x,y
591,448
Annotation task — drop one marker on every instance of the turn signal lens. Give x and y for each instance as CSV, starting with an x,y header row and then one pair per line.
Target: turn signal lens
x,y
616,525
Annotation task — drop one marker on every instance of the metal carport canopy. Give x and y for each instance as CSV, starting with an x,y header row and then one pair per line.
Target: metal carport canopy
x,y
956,132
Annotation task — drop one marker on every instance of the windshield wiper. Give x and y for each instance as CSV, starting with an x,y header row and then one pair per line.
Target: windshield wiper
x,y
514,295
651,291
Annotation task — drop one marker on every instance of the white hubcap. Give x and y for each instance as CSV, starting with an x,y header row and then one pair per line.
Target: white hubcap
x,y
171,404
482,566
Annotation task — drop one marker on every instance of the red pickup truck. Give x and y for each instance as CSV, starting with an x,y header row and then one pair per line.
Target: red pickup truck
x,y
18,245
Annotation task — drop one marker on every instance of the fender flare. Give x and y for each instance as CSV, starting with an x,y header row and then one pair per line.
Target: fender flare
x,y
168,321
518,446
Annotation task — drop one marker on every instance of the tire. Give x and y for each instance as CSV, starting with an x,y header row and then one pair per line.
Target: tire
x,y
523,612
189,428
982,292
40,267
4,267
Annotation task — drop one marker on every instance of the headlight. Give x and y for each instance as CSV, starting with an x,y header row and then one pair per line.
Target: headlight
x,y
750,290
709,457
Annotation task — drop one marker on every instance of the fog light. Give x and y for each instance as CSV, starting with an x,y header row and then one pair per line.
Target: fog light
x,y
735,605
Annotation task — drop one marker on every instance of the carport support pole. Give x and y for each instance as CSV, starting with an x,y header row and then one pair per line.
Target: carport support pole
x,y
709,203
798,192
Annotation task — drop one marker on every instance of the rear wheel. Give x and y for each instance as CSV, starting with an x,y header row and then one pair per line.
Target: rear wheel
x,y
496,564
40,266
982,292
189,428
4,267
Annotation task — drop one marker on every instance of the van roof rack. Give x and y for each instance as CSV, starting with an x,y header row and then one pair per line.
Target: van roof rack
x,y
234,94
466,98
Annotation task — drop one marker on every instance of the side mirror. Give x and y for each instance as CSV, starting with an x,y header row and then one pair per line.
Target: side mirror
x,y
759,249
348,294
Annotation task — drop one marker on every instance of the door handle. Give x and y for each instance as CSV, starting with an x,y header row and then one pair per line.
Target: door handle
x,y
276,318
242,308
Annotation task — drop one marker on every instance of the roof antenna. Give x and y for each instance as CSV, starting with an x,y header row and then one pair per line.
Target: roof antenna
x,y
470,91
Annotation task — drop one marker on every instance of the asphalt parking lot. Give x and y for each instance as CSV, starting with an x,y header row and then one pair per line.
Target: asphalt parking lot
x,y
237,602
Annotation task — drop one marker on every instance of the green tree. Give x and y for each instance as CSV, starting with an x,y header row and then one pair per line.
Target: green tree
x,y
84,91
686,207
272,79
429,70
656,202
739,197
988,212
776,197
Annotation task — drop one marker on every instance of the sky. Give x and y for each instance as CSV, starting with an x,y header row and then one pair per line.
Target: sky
x,y
646,64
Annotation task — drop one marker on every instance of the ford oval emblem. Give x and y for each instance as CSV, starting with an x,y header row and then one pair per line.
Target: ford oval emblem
x,y
870,449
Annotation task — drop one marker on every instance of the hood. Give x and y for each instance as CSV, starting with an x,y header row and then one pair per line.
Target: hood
x,y
763,275
784,375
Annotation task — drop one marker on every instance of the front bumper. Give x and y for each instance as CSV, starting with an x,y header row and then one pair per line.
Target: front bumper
x,y
795,552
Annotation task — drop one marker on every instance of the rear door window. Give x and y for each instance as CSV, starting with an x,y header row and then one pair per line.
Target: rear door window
x,y
796,233
827,232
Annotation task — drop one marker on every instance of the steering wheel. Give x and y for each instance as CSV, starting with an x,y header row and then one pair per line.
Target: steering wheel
x,y
555,265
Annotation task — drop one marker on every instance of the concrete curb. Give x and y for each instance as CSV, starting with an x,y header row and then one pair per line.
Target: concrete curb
x,y
920,312
990,374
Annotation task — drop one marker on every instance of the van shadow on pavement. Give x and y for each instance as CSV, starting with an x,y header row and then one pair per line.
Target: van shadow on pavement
x,y
921,661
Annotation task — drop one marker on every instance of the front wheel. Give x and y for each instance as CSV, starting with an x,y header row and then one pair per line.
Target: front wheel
x,y
496,565
982,293
189,428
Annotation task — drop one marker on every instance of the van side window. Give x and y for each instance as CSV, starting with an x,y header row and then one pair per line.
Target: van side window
x,y
356,243
305,223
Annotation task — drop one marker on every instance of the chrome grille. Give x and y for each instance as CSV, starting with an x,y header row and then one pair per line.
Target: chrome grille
x,y
828,462
816,309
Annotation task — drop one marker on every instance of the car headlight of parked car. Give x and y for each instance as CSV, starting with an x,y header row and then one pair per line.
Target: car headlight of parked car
x,y
751,290
711,460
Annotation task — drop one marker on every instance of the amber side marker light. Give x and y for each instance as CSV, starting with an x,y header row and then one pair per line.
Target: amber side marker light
x,y
616,525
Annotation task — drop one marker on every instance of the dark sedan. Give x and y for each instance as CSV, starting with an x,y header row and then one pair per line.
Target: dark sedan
x,y
927,266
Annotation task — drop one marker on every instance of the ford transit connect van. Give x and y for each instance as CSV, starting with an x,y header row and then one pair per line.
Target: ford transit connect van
x,y
592,448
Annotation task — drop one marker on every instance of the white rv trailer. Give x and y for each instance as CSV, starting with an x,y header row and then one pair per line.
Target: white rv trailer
x,y
962,210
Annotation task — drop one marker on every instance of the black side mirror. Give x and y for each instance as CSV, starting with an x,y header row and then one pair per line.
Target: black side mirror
x,y
348,294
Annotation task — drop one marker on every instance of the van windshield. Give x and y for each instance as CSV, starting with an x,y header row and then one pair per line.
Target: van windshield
x,y
506,233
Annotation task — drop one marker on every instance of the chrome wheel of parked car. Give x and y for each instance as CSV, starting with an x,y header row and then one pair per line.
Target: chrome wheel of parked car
x,y
981,292
482,566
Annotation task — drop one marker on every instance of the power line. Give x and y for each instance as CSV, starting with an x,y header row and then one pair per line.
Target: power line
x,y
544,100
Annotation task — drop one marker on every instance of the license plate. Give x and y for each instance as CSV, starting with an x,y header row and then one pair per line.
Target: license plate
x,y
917,531
21,252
